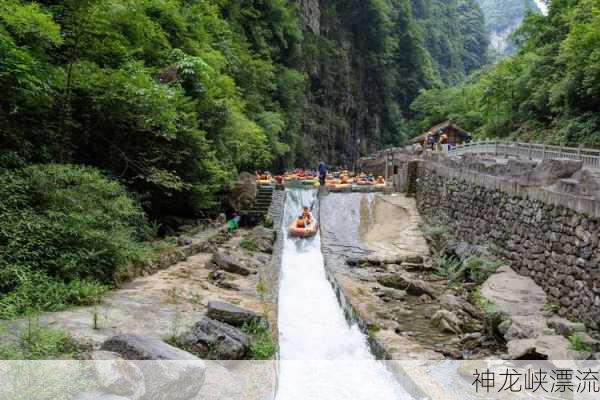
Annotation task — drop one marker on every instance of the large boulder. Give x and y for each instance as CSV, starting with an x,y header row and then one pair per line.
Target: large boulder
x,y
136,347
243,194
232,315
446,321
405,282
121,378
522,327
264,239
519,169
97,395
223,260
552,347
564,327
512,294
549,172
451,302
172,375
216,340
582,183
519,300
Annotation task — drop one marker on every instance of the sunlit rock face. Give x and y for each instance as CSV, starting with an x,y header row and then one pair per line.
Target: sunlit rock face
x,y
310,12
503,17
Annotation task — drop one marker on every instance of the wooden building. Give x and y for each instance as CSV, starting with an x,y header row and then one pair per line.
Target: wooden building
x,y
456,135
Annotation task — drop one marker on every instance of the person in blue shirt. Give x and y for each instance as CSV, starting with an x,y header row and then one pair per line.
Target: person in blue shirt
x,y
322,172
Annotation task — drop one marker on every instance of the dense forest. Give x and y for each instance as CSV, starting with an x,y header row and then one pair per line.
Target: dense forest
x,y
120,117
549,91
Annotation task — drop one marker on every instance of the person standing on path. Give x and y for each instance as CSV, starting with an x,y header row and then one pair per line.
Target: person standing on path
x,y
322,172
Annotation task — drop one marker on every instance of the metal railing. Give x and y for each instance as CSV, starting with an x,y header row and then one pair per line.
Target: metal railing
x,y
531,151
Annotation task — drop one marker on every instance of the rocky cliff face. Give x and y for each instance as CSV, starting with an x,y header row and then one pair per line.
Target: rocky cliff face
x,y
365,61
503,17
345,112
310,13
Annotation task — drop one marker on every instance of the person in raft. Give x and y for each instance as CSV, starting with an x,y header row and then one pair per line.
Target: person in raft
x,y
304,219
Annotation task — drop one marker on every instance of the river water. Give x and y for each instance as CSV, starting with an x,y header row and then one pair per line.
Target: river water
x,y
322,356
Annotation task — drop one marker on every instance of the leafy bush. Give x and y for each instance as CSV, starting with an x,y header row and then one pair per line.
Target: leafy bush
x,y
577,344
65,231
491,318
479,269
438,237
449,268
249,243
39,343
262,345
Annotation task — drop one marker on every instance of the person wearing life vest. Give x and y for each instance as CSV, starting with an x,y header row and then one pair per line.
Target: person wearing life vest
x,y
380,180
306,215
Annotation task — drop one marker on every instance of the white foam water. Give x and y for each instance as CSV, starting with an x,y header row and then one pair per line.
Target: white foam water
x,y
321,355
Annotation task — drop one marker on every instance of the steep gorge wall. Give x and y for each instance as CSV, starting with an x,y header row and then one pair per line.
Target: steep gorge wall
x,y
551,237
345,112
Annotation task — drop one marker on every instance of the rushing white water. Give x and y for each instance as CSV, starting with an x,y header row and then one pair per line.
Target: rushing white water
x,y
321,355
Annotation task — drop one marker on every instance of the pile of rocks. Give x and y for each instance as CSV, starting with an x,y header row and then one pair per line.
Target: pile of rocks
x,y
417,301
226,261
218,336
529,331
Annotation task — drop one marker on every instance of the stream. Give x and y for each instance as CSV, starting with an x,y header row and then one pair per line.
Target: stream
x,y
322,356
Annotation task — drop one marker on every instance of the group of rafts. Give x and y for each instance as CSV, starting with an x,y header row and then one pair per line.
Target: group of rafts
x,y
306,225
337,181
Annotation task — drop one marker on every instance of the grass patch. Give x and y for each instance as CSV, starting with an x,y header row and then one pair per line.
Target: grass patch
x,y
262,345
552,307
36,292
39,343
248,244
480,269
491,317
448,268
267,222
577,344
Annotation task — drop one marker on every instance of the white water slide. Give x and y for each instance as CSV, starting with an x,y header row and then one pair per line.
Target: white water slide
x,y
322,356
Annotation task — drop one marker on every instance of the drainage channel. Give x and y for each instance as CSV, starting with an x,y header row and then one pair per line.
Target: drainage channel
x,y
322,356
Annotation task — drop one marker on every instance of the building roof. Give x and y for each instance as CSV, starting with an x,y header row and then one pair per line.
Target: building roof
x,y
444,125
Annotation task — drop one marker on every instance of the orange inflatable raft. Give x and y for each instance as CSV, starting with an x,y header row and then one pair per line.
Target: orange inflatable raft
x,y
303,229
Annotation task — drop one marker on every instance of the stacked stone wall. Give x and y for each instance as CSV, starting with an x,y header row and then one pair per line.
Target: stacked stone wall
x,y
551,237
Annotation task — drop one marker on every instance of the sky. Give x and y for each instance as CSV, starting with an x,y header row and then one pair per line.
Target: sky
x,y
542,6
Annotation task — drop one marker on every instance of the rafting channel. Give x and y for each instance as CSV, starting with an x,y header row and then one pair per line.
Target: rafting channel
x,y
322,355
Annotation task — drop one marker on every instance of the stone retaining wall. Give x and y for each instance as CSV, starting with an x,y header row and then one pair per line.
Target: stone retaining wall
x,y
550,236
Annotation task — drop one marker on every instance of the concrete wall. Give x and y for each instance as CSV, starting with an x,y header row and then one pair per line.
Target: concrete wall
x,y
545,234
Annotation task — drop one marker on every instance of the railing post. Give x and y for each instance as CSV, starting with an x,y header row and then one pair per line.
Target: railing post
x,y
579,152
543,151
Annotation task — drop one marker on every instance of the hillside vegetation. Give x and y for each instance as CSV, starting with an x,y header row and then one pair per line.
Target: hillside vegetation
x,y
550,91
118,115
